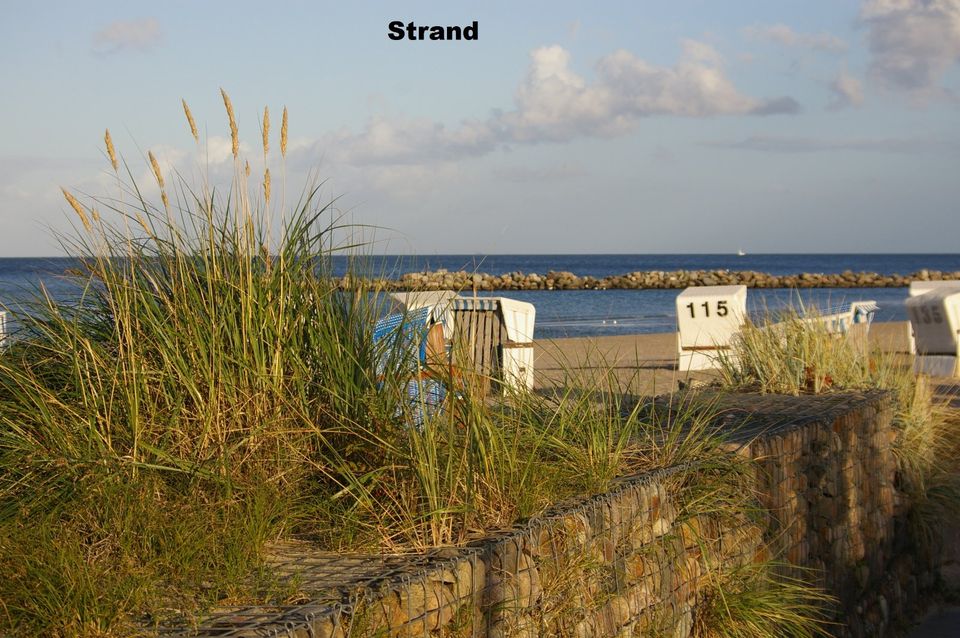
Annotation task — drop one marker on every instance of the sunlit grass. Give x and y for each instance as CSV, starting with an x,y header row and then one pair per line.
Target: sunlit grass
x,y
214,391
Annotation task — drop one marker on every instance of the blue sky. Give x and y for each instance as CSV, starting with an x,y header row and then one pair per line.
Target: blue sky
x,y
691,126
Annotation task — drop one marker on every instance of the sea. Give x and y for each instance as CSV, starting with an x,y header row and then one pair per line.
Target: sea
x,y
583,313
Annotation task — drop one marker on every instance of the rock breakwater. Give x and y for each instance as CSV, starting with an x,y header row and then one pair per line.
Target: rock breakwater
x,y
563,280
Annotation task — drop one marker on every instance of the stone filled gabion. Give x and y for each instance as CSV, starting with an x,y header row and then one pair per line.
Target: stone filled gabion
x,y
627,563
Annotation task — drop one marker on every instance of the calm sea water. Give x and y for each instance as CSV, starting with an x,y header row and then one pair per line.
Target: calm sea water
x,y
587,312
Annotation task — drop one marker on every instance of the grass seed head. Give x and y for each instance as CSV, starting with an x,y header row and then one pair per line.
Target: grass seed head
x,y
156,168
266,185
266,131
156,172
77,206
190,121
111,152
283,134
234,135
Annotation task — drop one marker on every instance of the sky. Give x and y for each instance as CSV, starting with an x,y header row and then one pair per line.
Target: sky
x,y
566,127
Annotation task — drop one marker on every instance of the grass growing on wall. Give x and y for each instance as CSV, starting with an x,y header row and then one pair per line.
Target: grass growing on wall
x,y
794,353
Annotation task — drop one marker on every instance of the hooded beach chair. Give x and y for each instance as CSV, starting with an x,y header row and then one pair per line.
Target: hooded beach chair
x,y
408,350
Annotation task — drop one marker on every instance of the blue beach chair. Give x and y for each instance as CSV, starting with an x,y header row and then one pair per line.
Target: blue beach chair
x,y
406,334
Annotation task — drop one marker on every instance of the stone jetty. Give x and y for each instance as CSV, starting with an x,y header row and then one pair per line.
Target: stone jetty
x,y
676,279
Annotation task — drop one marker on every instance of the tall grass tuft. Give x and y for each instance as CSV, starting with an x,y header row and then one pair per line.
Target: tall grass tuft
x,y
794,353
192,406
753,601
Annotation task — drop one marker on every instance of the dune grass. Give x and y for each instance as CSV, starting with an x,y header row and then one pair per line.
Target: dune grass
x,y
213,391
755,601
793,352
788,354
156,434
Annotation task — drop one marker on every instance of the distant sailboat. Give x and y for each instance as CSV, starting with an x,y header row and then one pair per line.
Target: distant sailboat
x,y
740,252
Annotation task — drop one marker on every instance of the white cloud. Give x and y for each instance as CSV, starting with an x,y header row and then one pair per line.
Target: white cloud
x,y
847,91
784,35
913,42
409,141
556,104
123,36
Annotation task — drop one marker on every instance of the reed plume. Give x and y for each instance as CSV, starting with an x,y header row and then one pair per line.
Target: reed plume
x,y
283,134
234,134
266,131
156,172
266,186
111,152
190,121
156,168
78,207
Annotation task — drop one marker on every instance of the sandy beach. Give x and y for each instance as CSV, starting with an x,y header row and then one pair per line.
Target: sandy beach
x,y
646,363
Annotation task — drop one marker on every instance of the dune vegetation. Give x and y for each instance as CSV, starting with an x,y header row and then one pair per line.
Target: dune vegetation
x,y
213,391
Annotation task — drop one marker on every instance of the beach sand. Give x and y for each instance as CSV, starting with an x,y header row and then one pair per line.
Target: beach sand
x,y
645,364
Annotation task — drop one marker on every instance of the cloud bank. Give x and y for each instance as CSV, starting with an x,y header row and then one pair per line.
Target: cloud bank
x,y
912,42
554,104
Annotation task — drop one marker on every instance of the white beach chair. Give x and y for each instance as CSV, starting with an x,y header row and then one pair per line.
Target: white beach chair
x,y
918,288
935,324
708,319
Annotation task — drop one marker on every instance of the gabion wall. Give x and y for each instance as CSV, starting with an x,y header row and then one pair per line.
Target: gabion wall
x,y
620,563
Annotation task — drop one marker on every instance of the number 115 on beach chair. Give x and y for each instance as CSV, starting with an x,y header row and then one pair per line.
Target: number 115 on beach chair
x,y
708,318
